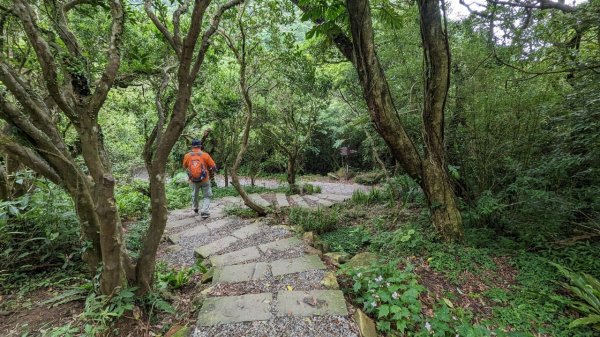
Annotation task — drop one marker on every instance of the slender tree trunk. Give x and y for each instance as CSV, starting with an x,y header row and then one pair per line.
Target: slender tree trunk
x,y
291,174
4,187
375,154
435,178
430,172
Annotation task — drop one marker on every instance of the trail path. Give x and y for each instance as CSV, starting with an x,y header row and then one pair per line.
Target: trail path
x,y
265,281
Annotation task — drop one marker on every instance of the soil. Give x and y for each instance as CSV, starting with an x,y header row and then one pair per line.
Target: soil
x,y
469,293
31,316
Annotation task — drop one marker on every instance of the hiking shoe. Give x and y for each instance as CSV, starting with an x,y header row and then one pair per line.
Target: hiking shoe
x,y
204,215
196,210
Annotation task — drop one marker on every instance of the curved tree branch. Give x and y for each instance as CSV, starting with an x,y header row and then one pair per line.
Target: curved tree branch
x,y
114,58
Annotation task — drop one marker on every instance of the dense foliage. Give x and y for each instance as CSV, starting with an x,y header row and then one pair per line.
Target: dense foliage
x,y
522,149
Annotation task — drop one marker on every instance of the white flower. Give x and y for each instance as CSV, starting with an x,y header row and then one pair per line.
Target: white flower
x,y
387,284
427,326
373,304
395,295
378,279
359,274
454,318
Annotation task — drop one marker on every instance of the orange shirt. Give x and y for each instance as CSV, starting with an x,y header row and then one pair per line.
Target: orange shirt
x,y
208,161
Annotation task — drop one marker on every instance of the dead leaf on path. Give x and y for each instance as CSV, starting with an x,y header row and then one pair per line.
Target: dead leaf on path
x,y
290,288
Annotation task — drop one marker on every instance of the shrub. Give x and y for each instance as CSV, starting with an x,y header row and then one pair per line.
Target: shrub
x,y
38,231
319,221
370,178
390,295
347,239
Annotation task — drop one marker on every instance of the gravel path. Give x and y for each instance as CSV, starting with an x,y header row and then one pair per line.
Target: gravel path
x,y
261,304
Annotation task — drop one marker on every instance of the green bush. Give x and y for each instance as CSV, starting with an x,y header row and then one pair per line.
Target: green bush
x,y
318,221
347,239
370,178
390,295
38,231
132,201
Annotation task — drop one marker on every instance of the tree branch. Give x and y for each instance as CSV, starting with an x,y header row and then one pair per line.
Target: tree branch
x,y
162,28
29,158
44,56
214,25
114,58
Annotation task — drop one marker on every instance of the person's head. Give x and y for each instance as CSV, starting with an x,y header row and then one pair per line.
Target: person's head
x,y
196,143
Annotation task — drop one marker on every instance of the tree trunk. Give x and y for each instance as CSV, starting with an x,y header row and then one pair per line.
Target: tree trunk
x,y
158,208
4,187
435,178
431,173
291,174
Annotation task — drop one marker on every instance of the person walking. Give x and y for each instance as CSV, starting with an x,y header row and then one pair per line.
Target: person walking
x,y
198,164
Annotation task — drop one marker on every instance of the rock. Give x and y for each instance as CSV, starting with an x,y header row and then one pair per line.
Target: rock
x,y
208,276
336,258
313,251
308,238
362,260
322,245
330,281
365,324
173,249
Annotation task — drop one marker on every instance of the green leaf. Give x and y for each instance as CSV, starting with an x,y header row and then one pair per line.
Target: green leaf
x,y
592,319
383,311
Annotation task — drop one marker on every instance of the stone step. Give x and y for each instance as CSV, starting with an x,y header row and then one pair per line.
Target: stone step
x,y
259,200
249,230
182,222
334,197
282,200
258,270
311,303
236,257
232,309
299,201
218,224
241,272
215,247
321,202
233,200
280,245
296,265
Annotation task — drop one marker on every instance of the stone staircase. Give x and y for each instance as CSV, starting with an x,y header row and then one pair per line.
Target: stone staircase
x,y
265,281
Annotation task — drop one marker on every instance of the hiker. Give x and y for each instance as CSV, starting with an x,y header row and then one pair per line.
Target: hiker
x,y
198,164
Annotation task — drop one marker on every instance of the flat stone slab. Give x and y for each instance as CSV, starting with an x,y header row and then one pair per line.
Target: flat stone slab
x,y
198,230
232,309
311,303
259,200
216,224
248,231
335,197
296,265
281,200
321,202
299,201
233,200
215,246
280,245
181,222
238,256
241,272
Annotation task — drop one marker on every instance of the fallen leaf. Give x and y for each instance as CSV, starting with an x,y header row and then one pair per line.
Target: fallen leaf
x,y
290,288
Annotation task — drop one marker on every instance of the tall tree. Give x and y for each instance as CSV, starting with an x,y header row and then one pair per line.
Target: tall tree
x,y
428,169
190,57
66,89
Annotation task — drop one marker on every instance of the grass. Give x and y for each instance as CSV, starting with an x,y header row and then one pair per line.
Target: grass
x,y
489,284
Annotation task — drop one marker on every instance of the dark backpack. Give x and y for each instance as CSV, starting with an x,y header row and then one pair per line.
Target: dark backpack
x,y
197,170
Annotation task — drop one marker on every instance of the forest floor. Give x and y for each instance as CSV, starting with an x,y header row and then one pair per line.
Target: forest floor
x,y
488,285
